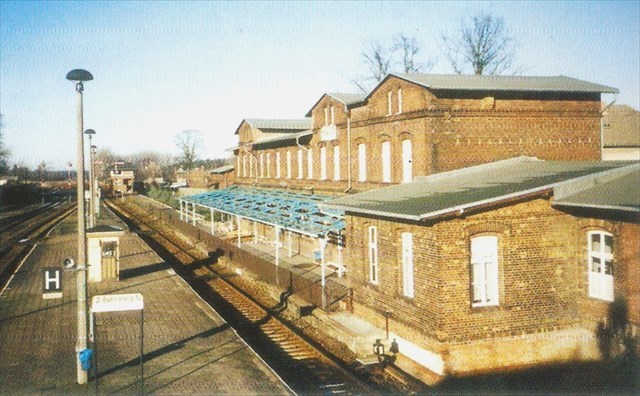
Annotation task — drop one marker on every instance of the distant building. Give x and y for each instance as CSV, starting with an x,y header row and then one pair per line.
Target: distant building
x,y
122,179
7,180
621,133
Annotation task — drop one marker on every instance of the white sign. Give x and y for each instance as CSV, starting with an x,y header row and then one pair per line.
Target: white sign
x,y
328,132
52,285
117,302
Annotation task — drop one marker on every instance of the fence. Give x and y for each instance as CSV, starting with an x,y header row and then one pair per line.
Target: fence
x,y
300,281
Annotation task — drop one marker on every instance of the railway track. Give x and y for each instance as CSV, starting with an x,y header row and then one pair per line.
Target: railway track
x,y
19,232
301,363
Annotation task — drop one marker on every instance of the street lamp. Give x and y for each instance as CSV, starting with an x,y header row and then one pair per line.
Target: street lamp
x,y
79,76
90,133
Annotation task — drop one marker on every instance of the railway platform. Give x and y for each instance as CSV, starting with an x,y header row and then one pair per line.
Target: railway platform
x,y
188,347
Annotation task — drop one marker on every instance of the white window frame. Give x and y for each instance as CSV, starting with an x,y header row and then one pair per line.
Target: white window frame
x,y
310,163
244,165
323,163
326,115
261,164
600,265
362,162
288,164
277,164
385,158
407,264
484,271
299,163
389,103
407,165
333,116
238,166
336,162
268,164
399,101
251,160
372,236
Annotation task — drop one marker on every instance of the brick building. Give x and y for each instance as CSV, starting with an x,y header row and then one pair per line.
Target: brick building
x,y
416,125
499,252
621,133
512,263
121,180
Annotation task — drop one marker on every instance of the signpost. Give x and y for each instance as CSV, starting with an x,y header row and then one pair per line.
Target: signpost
x,y
118,303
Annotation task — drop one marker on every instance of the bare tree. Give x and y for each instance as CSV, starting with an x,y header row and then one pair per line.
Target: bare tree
x,y
483,45
380,59
190,143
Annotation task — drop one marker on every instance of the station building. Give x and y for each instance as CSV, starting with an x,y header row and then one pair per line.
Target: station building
x,y
437,201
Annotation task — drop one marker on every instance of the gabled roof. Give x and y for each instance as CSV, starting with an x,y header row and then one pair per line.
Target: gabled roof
x,y
462,189
281,138
347,99
278,125
460,82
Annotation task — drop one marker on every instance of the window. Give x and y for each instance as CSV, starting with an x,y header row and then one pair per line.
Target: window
x,y
323,163
362,162
251,165
299,163
244,165
277,164
336,162
238,166
407,166
389,102
407,264
373,255
288,164
310,163
261,164
333,116
484,270
399,100
268,164
386,162
600,265
326,116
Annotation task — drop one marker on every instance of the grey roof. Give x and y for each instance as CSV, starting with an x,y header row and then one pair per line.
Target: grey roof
x,y
281,138
222,169
463,189
281,124
505,83
348,98
620,190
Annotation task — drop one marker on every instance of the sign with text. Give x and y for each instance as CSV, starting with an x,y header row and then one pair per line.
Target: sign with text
x,y
52,283
117,302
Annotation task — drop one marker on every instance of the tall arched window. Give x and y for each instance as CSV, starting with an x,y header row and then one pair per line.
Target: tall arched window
x,y
386,161
362,162
407,161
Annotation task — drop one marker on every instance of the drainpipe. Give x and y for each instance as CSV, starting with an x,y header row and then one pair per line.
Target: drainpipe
x,y
615,97
348,150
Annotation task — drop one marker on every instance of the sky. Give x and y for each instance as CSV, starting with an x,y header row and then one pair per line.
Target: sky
x,y
163,67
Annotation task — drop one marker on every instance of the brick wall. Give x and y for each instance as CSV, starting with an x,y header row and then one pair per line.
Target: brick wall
x,y
542,277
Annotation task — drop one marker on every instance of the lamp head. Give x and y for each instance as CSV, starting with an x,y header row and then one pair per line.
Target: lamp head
x,y
89,132
79,76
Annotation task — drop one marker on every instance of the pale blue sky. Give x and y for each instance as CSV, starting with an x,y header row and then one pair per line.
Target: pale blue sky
x,y
162,67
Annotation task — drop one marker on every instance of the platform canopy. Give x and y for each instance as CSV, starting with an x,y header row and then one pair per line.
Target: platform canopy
x,y
291,211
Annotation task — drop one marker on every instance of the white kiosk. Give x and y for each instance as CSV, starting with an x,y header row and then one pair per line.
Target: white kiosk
x,y
103,248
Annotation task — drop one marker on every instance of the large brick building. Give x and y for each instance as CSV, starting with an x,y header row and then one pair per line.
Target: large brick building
x,y
504,264
416,125
472,261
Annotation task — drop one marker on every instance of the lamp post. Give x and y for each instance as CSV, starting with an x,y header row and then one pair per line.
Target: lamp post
x,y
90,133
94,187
79,76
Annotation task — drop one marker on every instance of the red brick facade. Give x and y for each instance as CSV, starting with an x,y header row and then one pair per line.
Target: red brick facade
x,y
447,131
543,285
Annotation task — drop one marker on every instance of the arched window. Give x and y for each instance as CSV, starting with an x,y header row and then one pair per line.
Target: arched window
x,y
407,159
386,161
323,163
362,162
336,162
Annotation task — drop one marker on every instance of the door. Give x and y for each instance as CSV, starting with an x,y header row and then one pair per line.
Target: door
x,y
109,260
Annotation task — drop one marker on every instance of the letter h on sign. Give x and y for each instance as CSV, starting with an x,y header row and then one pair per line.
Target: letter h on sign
x,y
52,286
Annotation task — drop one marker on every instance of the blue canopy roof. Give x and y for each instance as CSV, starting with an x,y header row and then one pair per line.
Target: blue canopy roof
x,y
292,211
